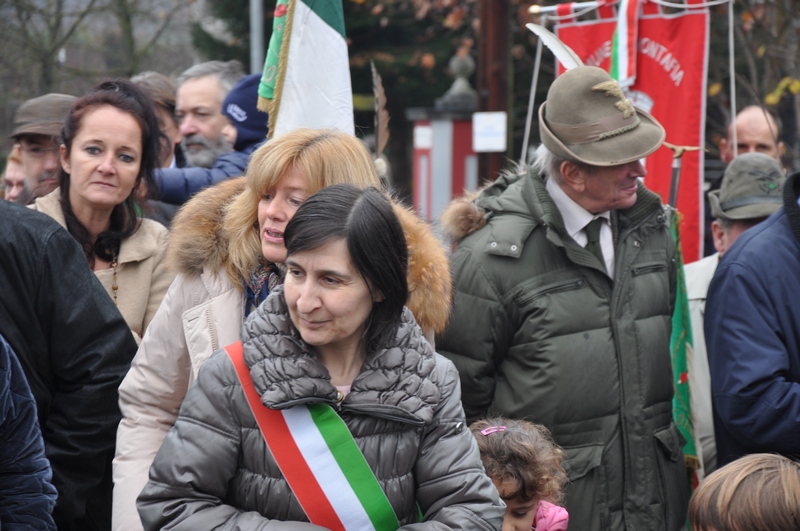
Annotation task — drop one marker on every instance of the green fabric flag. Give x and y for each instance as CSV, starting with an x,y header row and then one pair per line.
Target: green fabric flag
x,y
681,351
266,88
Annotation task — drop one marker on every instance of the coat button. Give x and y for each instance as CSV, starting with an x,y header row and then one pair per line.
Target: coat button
x,y
494,244
459,427
513,247
637,243
660,219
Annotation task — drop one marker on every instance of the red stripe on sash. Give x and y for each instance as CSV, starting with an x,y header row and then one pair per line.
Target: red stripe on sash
x,y
285,451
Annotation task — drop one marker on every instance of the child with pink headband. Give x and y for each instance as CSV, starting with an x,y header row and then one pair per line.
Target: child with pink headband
x,y
525,466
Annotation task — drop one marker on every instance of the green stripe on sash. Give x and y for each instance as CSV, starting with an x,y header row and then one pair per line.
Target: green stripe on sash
x,y
354,466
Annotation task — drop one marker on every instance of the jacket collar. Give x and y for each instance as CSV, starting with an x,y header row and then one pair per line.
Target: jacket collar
x,y
398,381
525,195
136,247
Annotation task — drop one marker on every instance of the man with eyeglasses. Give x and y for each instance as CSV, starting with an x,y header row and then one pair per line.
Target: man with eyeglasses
x,y
37,124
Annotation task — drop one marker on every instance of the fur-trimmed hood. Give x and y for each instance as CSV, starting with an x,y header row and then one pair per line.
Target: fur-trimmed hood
x,y
197,241
470,212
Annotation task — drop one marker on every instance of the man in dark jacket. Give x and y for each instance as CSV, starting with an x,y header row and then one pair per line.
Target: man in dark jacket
x,y
752,326
75,348
565,282
176,186
26,495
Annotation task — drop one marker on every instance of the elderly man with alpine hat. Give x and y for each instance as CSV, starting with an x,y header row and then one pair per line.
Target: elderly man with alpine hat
x,y
565,280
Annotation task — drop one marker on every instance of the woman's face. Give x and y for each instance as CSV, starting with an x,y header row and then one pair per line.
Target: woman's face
x,y
104,160
328,300
276,209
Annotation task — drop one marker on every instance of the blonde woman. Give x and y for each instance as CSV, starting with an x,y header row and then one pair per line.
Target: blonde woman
x,y
227,245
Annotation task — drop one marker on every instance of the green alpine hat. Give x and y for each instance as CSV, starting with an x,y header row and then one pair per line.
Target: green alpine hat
x,y
752,187
587,118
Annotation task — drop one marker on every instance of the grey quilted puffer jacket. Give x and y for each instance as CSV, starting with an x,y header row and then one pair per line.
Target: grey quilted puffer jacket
x,y
214,470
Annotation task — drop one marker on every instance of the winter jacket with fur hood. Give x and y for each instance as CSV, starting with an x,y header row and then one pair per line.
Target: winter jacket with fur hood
x,y
203,311
215,471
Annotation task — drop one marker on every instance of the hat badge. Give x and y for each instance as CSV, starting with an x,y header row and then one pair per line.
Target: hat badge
x,y
613,89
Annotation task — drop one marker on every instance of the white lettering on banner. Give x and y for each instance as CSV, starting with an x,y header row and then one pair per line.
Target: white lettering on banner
x,y
659,53
600,55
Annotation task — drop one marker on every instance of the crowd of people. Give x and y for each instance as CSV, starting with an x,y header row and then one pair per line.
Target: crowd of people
x,y
201,328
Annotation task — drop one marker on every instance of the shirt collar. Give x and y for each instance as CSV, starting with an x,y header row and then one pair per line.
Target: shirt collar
x,y
575,216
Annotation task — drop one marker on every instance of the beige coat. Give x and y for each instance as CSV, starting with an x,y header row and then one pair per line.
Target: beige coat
x,y
142,273
698,278
203,312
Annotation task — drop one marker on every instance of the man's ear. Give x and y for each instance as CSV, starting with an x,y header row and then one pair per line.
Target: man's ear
x,y
725,154
573,176
718,234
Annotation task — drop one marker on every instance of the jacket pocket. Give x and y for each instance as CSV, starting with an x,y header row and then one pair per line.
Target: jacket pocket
x,y
549,289
673,476
586,492
651,267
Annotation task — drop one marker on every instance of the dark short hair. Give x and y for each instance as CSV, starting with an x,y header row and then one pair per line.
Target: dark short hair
x,y
366,221
129,98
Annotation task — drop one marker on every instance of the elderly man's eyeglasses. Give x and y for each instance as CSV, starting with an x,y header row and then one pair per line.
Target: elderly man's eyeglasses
x,y
39,152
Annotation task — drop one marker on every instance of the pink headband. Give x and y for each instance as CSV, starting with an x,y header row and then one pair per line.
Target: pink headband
x,y
492,429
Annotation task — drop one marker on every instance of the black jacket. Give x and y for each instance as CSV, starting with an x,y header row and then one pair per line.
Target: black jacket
x,y
74,347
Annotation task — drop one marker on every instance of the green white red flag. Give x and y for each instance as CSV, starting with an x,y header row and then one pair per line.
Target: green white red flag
x,y
306,80
624,44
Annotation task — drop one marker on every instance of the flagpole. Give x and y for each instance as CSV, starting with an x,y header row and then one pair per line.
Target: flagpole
x,y
256,36
577,6
523,158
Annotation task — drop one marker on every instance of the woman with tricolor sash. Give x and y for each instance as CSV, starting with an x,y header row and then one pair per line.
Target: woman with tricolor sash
x,y
333,411
227,246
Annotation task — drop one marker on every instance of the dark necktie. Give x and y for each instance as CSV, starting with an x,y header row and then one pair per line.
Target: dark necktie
x,y
593,240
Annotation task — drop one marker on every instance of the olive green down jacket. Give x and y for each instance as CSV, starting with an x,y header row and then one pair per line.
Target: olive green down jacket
x,y
539,331
214,470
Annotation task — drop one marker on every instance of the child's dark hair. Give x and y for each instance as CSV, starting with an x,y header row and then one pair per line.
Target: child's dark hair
x,y
523,454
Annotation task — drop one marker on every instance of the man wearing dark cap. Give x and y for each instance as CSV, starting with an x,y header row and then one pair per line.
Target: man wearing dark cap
x,y
752,326
564,287
751,190
37,124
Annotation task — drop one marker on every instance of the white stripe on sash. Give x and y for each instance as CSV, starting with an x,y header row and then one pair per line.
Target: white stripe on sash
x,y
325,469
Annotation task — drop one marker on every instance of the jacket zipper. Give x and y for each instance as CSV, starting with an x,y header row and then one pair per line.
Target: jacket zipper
x,y
574,284
648,269
623,421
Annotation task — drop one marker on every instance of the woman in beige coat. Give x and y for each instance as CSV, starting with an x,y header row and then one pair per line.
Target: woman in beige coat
x,y
227,246
110,146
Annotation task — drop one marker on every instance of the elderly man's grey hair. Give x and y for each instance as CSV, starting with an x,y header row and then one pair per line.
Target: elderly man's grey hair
x,y
545,162
227,72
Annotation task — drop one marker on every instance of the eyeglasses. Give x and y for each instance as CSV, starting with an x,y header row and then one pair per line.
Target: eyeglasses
x,y
39,152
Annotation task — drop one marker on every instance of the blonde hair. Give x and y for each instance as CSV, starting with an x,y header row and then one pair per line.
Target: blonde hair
x,y
524,454
759,491
323,156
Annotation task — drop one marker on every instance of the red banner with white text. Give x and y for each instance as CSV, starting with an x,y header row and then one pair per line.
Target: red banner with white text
x,y
671,66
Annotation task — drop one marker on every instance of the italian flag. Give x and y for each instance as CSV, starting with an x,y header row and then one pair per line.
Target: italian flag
x,y
624,44
306,80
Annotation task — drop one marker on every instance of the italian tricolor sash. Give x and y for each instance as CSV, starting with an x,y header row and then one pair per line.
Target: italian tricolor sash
x,y
320,460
